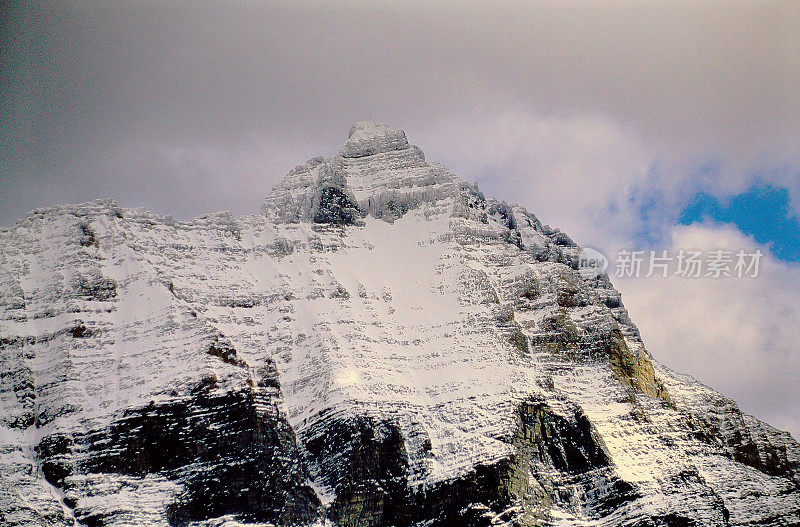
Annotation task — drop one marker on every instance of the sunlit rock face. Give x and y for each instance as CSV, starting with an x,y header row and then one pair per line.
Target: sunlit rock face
x,y
383,345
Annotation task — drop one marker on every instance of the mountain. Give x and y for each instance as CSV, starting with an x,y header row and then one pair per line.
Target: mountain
x,y
382,345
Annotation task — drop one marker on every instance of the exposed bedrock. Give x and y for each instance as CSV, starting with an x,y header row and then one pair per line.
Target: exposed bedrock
x,y
227,453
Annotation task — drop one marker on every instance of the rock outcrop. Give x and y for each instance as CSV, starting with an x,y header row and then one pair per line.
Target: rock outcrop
x,y
383,345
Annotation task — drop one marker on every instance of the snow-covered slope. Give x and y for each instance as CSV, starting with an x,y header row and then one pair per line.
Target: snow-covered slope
x,y
383,345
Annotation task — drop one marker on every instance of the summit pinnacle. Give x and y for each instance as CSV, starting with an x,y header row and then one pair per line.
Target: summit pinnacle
x,y
366,139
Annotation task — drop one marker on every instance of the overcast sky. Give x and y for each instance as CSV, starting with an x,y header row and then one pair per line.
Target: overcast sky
x,y
605,119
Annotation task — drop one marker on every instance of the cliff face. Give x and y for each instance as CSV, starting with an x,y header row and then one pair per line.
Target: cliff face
x,y
383,345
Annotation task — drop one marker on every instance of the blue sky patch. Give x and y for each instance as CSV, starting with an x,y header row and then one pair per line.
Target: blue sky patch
x,y
762,211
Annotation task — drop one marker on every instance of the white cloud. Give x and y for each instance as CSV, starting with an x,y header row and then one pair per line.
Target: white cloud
x,y
588,174
574,173
738,335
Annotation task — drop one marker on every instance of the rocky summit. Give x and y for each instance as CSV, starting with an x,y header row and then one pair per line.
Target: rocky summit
x,y
382,345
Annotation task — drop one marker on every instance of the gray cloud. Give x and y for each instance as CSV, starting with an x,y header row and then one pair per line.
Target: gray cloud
x,y
89,86
738,335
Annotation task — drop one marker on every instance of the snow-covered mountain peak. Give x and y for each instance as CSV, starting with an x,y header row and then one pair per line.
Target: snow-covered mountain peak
x,y
433,359
366,139
377,172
